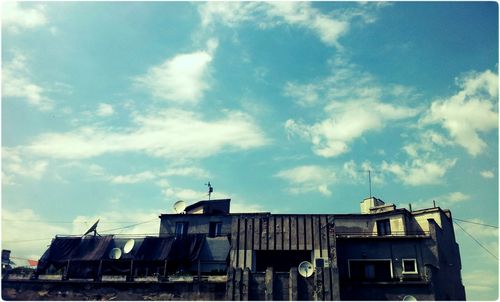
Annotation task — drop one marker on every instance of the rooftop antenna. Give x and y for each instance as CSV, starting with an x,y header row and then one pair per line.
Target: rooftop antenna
x,y
210,189
369,180
93,228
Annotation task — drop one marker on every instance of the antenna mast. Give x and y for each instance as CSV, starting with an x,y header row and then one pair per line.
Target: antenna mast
x,y
369,181
210,189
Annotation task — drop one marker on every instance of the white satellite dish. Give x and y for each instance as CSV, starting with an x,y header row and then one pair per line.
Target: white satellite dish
x,y
128,246
115,253
305,269
179,206
409,298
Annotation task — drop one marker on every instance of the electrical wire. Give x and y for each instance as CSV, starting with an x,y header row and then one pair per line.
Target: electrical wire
x,y
108,230
483,224
477,241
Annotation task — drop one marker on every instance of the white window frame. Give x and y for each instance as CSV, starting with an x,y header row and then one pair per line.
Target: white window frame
x,y
403,265
349,264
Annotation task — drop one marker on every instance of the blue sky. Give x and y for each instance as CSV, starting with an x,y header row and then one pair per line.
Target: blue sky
x,y
117,110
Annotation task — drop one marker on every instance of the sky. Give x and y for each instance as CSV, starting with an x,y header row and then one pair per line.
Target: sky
x,y
116,110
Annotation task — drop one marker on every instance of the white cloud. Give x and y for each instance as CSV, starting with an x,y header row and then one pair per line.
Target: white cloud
x,y
150,175
181,79
16,83
420,172
132,178
168,134
426,144
487,174
449,200
14,166
346,122
480,285
300,14
468,112
16,16
305,95
105,110
309,178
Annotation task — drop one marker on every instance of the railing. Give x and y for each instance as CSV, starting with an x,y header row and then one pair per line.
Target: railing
x,y
397,234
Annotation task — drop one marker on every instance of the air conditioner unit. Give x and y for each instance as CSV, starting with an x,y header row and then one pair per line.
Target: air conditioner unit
x,y
321,262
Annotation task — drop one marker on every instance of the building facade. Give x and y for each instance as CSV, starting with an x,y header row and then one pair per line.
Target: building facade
x,y
382,253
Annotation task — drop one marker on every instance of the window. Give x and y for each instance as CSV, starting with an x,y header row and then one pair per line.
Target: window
x,y
215,229
281,261
409,266
181,228
370,270
383,227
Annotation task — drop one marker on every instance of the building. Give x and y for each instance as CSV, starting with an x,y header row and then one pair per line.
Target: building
x,y
383,253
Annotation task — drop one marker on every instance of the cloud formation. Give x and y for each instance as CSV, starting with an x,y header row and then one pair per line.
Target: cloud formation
x,y
181,79
487,174
309,178
420,172
346,122
105,110
17,16
166,134
469,112
269,14
14,166
17,83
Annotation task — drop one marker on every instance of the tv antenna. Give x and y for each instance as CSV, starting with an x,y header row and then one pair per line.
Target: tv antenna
x,y
179,206
93,228
369,180
210,189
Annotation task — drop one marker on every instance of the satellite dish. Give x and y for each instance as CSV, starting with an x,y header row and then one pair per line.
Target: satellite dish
x,y
179,206
305,269
128,246
115,253
93,228
409,298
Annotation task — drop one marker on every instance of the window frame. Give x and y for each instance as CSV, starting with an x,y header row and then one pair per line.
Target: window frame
x,y
403,265
217,229
387,227
184,228
369,260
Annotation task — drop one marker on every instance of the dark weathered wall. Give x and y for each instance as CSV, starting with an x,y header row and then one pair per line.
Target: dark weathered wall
x,y
57,290
446,274
251,233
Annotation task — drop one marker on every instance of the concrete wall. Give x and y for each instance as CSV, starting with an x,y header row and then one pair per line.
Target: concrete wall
x,y
367,224
197,223
58,290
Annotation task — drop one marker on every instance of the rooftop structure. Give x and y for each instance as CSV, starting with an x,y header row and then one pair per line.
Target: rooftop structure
x,y
382,253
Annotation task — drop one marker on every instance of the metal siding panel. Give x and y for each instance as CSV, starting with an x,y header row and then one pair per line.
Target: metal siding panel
x,y
242,241
294,245
235,241
279,232
272,235
264,237
286,232
256,233
309,233
300,231
316,233
249,236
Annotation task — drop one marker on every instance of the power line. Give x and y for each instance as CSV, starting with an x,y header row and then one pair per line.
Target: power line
x,y
479,243
131,225
483,224
109,230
